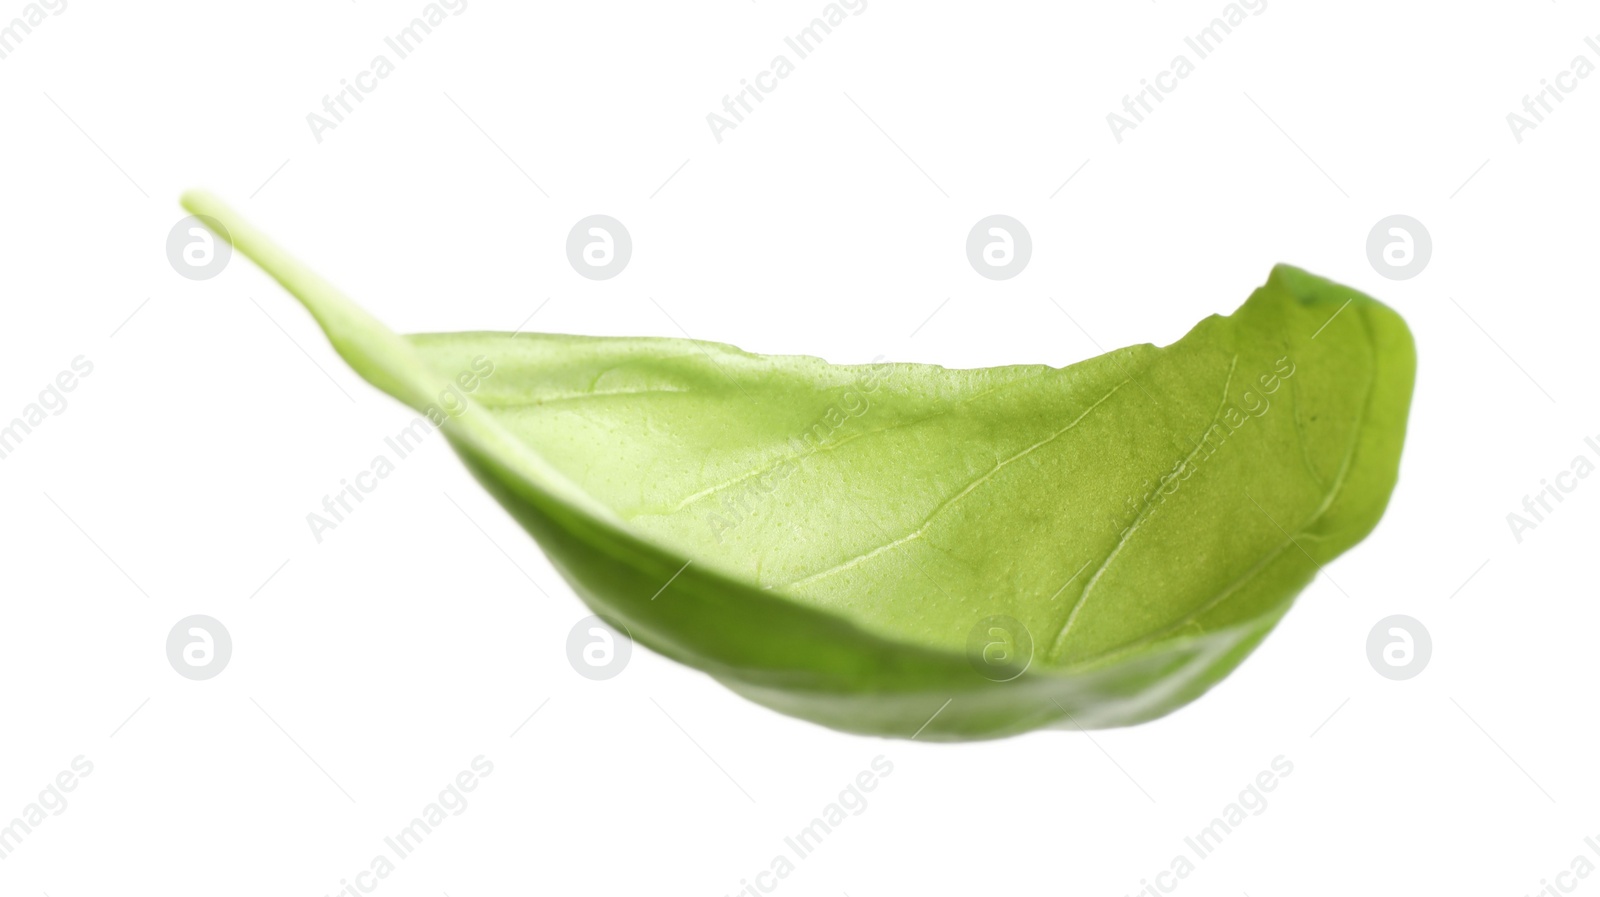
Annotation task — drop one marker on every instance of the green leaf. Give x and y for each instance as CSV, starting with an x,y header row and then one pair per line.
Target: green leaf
x,y
876,547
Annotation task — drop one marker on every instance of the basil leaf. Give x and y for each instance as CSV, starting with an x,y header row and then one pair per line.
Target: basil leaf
x,y
906,550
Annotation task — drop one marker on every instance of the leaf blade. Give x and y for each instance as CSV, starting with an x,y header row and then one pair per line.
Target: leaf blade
x,y
833,533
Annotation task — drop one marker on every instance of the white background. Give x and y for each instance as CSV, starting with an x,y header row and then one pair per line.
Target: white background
x,y
371,668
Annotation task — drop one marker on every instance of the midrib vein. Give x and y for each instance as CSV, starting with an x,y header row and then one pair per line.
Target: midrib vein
x,y
1149,503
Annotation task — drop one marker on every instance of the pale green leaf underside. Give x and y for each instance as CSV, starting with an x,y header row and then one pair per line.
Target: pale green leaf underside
x,y
1133,510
